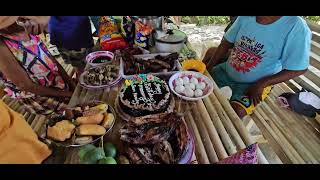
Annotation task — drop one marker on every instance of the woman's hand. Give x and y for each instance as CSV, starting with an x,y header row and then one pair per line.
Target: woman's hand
x,y
34,24
255,91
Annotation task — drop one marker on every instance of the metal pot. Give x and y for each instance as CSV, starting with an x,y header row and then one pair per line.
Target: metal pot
x,y
170,41
155,21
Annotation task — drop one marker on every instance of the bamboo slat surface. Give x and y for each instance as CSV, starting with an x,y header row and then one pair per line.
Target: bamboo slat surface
x,y
294,138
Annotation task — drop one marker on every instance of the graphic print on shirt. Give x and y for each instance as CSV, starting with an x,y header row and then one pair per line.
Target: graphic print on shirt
x,y
246,54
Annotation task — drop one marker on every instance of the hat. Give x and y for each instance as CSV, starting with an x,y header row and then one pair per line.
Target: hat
x,y
6,21
303,102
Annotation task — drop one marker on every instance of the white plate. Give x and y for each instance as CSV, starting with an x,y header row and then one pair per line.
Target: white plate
x,y
208,89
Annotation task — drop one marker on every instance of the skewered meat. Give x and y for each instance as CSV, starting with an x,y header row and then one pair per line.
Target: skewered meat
x,y
158,64
141,155
154,131
165,134
164,151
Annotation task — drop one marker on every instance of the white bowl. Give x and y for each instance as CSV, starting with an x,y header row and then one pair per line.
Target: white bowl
x,y
206,92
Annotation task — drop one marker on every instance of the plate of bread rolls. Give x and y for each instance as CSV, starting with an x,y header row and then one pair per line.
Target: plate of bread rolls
x,y
81,125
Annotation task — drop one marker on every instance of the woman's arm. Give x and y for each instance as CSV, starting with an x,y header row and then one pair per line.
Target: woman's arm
x,y
220,53
64,75
13,71
255,91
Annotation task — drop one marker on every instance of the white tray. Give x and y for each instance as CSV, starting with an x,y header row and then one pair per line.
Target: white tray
x,y
147,57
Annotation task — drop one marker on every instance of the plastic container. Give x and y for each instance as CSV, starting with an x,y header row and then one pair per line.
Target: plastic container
x,y
177,66
94,55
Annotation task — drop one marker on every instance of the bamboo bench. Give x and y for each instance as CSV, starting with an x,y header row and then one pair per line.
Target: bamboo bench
x,y
293,137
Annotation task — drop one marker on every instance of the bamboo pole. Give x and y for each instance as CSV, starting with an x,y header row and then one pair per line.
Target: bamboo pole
x,y
12,101
74,99
213,134
114,91
287,132
91,94
35,121
236,121
230,147
21,109
3,98
199,147
14,106
30,118
105,94
212,155
308,157
295,121
26,115
285,146
227,123
7,100
300,133
82,96
311,122
284,140
41,121
275,146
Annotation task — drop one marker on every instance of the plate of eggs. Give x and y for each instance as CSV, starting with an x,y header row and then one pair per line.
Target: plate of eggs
x,y
191,86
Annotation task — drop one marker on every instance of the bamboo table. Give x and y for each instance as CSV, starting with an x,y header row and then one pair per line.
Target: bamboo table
x,y
217,130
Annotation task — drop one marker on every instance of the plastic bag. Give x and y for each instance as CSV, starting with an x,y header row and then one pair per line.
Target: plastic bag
x,y
110,36
142,34
127,28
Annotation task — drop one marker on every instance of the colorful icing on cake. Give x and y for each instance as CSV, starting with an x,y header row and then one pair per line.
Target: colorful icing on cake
x,y
144,95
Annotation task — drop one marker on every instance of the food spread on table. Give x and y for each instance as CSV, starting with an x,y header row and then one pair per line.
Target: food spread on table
x,y
144,95
190,85
82,124
156,139
152,131
156,64
101,75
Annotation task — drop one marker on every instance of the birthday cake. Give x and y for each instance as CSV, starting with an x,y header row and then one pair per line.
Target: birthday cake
x,y
145,95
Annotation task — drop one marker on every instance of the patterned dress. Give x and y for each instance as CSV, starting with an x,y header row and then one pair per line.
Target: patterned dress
x,y
36,60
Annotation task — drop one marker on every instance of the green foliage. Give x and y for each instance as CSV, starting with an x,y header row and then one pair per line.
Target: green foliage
x,y
315,19
205,20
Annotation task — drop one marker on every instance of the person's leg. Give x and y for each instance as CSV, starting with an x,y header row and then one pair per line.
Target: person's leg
x,y
241,103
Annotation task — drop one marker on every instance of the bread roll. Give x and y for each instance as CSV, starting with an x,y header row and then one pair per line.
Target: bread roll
x,y
91,130
94,119
108,120
61,130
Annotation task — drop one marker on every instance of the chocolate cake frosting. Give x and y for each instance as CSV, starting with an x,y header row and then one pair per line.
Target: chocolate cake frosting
x,y
149,95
